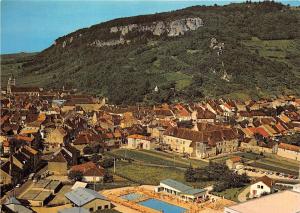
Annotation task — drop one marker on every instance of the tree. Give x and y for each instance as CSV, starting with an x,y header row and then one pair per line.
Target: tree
x,y
108,178
189,175
87,150
75,175
107,163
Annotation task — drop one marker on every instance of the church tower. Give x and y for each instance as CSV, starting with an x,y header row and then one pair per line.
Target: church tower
x,y
11,82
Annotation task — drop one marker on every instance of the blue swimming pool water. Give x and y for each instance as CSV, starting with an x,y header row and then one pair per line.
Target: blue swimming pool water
x,y
132,196
160,205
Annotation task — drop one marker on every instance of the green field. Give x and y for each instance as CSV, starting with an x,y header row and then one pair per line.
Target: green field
x,y
152,175
230,194
182,80
286,51
246,156
159,158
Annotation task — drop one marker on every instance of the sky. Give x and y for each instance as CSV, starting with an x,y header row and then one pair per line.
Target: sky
x,y
33,25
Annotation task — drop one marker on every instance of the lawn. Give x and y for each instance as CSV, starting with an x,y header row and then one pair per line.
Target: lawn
x,y
159,158
151,175
246,156
230,194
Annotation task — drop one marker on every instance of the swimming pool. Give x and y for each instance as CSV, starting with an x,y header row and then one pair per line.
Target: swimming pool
x,y
162,206
132,196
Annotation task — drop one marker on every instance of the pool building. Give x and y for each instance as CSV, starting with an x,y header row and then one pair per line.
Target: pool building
x,y
181,190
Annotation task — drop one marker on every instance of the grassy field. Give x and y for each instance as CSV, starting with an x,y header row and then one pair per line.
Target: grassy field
x,y
230,194
159,158
246,156
182,80
286,51
144,174
268,161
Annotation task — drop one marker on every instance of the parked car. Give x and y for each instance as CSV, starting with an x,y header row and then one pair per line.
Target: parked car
x,y
18,185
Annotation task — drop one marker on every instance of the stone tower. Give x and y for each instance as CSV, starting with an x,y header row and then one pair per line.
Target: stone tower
x,y
11,82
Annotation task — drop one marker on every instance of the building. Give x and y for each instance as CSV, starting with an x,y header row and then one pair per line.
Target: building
x,y
289,151
181,190
88,199
52,186
140,142
280,202
233,162
55,137
90,171
63,159
262,186
37,198
201,144
13,205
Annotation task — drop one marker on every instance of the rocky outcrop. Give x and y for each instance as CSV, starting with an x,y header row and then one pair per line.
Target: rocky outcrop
x,y
170,28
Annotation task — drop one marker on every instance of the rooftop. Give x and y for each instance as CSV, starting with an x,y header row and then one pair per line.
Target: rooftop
x,y
81,196
283,202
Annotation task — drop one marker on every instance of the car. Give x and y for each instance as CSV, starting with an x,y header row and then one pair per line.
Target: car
x,y
18,185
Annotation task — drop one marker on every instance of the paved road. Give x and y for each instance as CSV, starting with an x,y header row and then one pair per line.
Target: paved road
x,y
242,197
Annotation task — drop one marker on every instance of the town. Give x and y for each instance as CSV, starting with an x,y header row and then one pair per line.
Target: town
x,y
64,151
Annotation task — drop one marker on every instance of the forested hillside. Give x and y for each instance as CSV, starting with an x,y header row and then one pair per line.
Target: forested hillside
x,y
248,50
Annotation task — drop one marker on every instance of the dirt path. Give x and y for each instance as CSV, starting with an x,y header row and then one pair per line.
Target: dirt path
x,y
242,197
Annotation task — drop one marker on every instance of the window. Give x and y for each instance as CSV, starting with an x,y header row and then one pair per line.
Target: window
x,y
106,206
258,186
91,209
261,187
99,207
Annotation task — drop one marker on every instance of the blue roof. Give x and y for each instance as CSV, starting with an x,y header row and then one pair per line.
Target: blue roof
x,y
182,188
176,185
80,196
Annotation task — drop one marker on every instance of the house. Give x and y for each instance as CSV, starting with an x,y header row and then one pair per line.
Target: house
x,y
88,199
33,155
181,190
90,171
13,205
128,120
140,142
201,144
233,162
8,177
263,185
55,137
203,115
37,198
62,159
289,151
282,202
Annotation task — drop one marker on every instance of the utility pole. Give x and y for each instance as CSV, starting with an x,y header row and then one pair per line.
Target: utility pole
x,y
114,165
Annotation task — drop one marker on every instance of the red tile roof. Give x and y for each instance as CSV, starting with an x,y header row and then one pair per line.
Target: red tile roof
x,y
289,147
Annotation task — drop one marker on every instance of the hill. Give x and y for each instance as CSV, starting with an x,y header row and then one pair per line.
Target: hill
x,y
248,50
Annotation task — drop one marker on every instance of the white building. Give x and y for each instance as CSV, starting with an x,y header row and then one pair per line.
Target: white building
x,y
263,185
181,190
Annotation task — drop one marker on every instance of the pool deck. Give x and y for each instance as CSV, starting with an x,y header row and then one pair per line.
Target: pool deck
x,y
134,207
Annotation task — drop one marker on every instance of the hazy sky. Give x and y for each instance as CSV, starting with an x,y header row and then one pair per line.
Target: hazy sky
x,y
33,25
